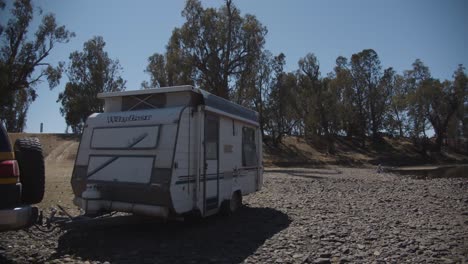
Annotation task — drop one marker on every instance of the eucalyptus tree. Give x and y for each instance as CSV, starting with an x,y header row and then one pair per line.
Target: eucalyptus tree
x,y
370,97
253,87
23,63
281,107
396,118
213,48
417,77
310,95
89,72
341,81
444,100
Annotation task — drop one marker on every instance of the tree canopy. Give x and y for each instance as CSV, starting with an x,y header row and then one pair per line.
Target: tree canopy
x,y
222,51
23,61
212,49
89,72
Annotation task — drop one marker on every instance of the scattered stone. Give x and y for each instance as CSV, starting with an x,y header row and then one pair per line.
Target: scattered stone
x,y
322,261
325,218
325,255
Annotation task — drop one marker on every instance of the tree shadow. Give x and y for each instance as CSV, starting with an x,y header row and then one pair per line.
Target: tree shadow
x,y
214,239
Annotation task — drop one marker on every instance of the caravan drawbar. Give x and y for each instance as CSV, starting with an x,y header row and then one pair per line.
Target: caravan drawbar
x,y
167,151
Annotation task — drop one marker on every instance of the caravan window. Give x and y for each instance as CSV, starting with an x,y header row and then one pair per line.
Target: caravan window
x,y
134,137
211,138
249,151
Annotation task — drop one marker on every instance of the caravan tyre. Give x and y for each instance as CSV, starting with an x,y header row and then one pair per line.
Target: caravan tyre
x,y
230,206
193,217
28,153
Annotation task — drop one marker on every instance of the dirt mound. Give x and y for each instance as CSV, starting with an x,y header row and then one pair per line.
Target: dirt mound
x,y
293,151
297,151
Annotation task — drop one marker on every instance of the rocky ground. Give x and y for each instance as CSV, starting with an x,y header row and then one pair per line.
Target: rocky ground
x,y
334,215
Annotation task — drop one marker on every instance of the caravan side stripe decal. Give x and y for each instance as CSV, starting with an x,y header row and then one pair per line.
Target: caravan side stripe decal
x,y
191,178
184,179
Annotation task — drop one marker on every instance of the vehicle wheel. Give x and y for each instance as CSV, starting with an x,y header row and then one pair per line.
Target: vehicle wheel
x,y
230,206
28,153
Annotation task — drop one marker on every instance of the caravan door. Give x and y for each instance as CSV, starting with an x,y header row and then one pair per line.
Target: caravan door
x,y
211,160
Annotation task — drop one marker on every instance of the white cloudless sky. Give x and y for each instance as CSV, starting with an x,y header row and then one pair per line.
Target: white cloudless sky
x,y
434,31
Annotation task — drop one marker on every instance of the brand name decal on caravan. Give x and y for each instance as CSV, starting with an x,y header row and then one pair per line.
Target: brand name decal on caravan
x,y
124,119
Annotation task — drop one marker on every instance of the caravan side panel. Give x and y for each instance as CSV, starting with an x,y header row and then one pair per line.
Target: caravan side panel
x,y
185,163
237,175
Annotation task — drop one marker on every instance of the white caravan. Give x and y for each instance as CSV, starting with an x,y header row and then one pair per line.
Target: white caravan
x,y
167,151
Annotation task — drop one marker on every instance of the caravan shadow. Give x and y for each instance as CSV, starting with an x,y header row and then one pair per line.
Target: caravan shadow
x,y
215,239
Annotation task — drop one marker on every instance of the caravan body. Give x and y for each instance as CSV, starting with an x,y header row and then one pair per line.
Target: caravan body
x,y
167,151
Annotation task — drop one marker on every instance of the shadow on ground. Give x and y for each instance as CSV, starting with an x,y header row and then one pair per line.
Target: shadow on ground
x,y
4,260
215,239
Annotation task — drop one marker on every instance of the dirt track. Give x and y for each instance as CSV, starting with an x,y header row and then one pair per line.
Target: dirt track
x,y
334,215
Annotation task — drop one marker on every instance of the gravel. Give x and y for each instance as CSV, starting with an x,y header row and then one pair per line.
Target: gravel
x,y
333,215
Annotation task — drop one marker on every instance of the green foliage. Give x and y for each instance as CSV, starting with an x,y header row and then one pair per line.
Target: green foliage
x,y
253,87
369,96
89,72
396,120
341,81
415,79
22,61
310,92
212,49
223,52
281,105
157,70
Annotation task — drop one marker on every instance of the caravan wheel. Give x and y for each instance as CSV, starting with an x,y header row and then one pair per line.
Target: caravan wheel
x,y
232,205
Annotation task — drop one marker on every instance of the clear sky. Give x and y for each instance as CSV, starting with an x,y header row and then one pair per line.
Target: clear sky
x,y
400,31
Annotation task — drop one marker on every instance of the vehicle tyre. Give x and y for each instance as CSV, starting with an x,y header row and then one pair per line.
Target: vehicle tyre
x,y
228,207
28,153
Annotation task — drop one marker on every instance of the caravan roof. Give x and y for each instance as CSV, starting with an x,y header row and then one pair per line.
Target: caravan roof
x,y
209,99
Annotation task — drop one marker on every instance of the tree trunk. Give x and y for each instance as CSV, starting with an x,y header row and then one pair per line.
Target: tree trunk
x,y
439,140
224,92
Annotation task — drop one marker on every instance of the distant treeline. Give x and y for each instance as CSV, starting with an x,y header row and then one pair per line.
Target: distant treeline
x,y
223,52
